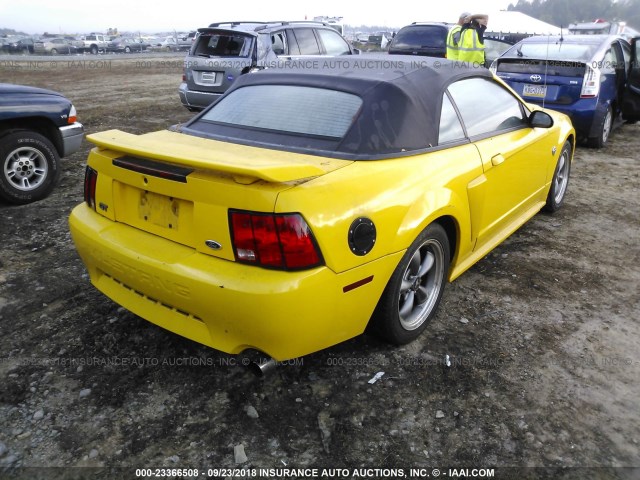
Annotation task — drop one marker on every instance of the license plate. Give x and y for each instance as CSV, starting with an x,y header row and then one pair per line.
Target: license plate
x,y
208,78
159,209
534,90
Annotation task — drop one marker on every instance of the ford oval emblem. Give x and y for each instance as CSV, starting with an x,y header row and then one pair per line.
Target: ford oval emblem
x,y
212,244
535,78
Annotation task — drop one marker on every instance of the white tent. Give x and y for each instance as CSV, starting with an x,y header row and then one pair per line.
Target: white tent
x,y
504,23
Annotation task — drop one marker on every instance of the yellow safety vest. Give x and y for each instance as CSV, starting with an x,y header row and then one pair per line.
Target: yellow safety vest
x,y
453,41
470,49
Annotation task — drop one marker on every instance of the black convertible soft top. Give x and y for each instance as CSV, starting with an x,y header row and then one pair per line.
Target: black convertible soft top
x,y
402,98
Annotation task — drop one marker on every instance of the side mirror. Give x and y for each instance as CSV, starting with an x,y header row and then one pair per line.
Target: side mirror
x,y
356,51
540,119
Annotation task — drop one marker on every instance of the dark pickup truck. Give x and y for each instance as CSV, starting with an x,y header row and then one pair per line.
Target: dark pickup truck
x,y
37,128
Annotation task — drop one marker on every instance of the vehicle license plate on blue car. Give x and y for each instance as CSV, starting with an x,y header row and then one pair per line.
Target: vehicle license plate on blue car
x,y
534,90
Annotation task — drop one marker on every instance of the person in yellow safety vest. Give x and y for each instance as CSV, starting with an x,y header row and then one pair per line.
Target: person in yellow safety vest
x,y
453,38
471,45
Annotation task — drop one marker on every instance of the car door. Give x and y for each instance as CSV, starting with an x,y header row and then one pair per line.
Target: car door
x,y
631,101
517,159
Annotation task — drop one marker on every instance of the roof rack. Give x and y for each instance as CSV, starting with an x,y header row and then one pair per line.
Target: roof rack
x,y
263,24
291,22
217,24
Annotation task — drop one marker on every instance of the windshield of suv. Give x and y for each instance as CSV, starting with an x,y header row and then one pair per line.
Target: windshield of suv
x,y
421,37
277,108
223,45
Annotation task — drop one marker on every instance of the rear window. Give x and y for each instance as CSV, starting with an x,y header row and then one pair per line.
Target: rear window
x,y
328,113
420,37
554,51
223,45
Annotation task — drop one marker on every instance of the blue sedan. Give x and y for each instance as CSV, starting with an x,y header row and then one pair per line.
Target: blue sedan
x,y
593,79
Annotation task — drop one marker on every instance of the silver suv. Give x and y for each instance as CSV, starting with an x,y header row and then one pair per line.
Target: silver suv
x,y
224,51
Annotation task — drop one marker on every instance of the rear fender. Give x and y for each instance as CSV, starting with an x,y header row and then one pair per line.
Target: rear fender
x,y
435,205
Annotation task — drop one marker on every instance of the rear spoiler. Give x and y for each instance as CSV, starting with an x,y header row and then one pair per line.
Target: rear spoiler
x,y
246,164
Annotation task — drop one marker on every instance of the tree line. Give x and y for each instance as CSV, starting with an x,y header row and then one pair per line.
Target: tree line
x,y
564,12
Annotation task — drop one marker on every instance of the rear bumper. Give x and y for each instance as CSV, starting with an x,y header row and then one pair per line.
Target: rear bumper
x,y
196,99
72,136
228,306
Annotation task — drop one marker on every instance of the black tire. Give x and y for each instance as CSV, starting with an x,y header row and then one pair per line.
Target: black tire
x,y
560,180
127,49
94,49
604,130
28,167
54,51
413,293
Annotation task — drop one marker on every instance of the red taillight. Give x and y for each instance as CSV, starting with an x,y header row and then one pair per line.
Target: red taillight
x,y
282,241
298,245
90,180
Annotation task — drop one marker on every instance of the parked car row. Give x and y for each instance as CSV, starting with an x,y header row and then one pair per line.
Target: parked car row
x,y
16,45
587,77
94,44
126,45
204,81
66,46
54,46
223,52
173,43
116,45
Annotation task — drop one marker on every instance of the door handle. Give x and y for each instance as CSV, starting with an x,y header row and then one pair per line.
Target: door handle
x,y
497,160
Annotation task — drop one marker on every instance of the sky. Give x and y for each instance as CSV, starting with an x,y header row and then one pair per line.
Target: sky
x,y
150,16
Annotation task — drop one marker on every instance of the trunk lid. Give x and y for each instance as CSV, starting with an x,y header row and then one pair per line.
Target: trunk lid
x,y
181,187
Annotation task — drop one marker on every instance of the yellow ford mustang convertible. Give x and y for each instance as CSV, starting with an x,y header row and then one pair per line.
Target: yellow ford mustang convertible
x,y
308,203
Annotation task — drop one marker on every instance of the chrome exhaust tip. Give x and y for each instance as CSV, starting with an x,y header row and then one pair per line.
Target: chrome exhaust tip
x,y
263,366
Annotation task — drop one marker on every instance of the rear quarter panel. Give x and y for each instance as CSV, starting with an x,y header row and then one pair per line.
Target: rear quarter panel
x,y
401,196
